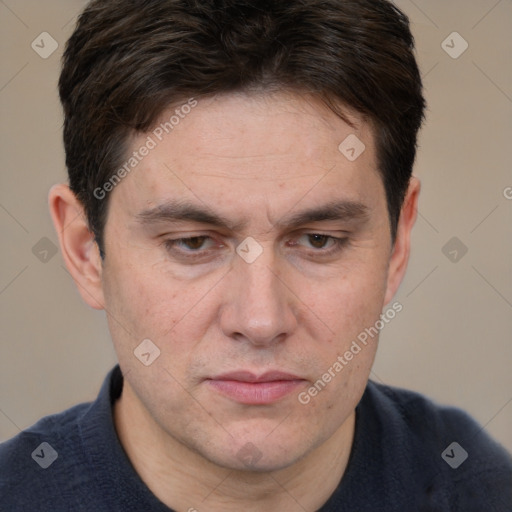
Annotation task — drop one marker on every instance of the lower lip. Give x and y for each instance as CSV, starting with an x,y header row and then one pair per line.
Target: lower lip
x,y
256,393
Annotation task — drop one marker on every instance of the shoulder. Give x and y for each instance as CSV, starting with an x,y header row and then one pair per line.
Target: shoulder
x,y
419,415
469,469
54,441
55,426
411,409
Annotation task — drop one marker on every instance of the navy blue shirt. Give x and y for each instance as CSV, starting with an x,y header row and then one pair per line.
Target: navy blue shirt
x,y
409,455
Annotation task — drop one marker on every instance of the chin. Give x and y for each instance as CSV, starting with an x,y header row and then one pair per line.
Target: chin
x,y
266,464
258,456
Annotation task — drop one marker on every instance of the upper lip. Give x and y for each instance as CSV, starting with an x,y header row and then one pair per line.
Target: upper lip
x,y
246,376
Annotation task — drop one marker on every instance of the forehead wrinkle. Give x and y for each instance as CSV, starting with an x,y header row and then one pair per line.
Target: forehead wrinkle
x,y
315,169
254,176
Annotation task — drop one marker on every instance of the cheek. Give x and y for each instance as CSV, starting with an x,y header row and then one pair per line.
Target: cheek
x,y
349,302
139,298
144,302
351,305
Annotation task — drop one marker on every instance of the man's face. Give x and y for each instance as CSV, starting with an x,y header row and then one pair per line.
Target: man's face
x,y
290,300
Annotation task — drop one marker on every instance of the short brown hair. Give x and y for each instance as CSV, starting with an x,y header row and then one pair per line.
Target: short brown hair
x,y
128,60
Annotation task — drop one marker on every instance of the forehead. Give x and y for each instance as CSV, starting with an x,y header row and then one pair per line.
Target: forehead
x,y
256,150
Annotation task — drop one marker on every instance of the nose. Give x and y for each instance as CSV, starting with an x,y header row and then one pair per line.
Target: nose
x,y
259,306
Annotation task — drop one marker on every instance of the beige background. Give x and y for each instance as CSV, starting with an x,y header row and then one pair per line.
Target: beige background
x,y
452,341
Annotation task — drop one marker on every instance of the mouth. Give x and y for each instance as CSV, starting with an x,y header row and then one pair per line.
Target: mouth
x,y
247,388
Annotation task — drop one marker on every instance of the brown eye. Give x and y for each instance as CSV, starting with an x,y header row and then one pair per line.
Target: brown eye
x,y
318,241
187,246
194,242
319,244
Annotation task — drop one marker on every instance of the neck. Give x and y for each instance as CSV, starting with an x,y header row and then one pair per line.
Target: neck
x,y
185,481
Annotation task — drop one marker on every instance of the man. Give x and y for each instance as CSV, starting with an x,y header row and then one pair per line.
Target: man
x,y
240,204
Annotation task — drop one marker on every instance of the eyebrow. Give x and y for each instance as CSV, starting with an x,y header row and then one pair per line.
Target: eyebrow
x,y
180,210
183,211
342,210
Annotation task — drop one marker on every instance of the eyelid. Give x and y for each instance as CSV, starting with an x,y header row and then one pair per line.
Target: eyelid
x,y
338,244
176,241
334,234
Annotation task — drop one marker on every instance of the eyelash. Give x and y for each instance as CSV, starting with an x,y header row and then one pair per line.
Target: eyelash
x,y
338,245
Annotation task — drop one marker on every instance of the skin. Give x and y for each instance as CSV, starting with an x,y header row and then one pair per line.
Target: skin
x,y
253,158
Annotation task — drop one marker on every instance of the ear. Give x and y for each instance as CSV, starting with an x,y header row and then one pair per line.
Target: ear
x,y
79,249
401,249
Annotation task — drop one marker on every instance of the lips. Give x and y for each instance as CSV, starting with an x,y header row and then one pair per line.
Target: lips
x,y
247,388
244,376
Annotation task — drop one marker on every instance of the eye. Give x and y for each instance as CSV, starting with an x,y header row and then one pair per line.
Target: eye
x,y
318,241
194,243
